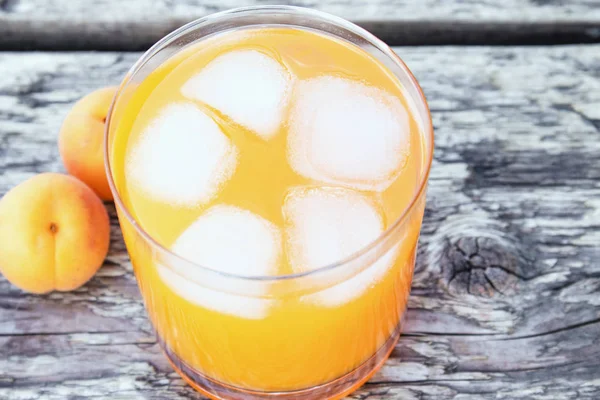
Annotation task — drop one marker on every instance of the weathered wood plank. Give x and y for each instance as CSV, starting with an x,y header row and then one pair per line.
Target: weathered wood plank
x,y
137,24
505,300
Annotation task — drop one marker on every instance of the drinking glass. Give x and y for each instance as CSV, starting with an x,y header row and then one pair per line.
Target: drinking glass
x,y
298,350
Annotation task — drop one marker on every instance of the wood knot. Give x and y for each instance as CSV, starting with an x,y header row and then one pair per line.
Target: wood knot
x,y
481,265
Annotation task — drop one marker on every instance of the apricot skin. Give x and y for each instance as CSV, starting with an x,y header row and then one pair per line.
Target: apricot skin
x,y
81,140
54,233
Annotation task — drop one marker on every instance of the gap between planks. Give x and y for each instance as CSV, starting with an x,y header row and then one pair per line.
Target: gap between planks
x,y
18,35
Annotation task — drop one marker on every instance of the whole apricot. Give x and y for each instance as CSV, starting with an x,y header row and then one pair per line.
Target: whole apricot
x,y
81,140
54,233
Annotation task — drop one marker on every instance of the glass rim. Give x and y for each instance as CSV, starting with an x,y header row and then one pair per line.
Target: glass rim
x,y
364,34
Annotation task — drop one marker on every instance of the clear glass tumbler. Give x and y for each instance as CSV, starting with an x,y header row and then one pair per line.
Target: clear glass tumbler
x,y
296,351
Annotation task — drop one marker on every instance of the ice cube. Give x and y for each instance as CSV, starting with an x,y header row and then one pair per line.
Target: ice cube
x,y
182,157
325,226
347,133
248,86
231,240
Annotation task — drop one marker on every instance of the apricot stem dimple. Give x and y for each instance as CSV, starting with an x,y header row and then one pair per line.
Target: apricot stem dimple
x,y
53,227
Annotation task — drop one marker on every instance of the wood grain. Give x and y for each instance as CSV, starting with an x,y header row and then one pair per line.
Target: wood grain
x,y
137,24
505,301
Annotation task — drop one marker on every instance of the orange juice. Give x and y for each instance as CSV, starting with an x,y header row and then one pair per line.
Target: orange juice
x,y
270,157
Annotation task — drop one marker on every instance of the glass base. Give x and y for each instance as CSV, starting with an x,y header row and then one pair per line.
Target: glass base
x,y
335,389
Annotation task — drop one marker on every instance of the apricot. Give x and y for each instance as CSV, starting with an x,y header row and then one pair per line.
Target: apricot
x,y
54,233
81,140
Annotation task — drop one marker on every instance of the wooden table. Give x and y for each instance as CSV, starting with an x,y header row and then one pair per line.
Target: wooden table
x,y
506,295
